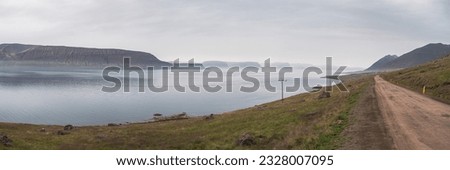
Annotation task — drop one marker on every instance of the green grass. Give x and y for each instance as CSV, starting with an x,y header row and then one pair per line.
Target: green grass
x,y
434,75
331,138
276,125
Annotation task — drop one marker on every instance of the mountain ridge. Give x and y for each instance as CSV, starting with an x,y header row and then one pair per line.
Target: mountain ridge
x,y
383,61
413,58
14,53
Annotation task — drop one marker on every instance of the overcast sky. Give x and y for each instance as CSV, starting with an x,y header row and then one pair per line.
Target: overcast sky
x,y
355,33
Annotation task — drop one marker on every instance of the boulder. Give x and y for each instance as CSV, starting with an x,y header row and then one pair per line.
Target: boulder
x,y
8,144
5,140
246,140
68,127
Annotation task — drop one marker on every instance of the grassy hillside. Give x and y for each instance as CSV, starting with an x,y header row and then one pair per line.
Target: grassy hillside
x,y
300,122
434,75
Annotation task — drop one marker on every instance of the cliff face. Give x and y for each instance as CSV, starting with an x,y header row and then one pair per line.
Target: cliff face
x,y
73,56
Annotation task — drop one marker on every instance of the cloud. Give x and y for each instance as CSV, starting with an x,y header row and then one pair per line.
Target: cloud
x,y
353,31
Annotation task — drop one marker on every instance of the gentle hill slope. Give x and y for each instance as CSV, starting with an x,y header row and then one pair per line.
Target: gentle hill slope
x,y
434,75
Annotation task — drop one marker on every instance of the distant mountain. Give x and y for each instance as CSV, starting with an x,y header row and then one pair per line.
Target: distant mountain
x,y
20,54
220,64
243,64
281,64
382,62
416,57
300,65
225,64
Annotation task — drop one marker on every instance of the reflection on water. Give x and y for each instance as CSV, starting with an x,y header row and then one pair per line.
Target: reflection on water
x,y
75,97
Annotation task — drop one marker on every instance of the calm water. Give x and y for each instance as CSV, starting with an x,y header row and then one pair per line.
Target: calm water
x,y
75,97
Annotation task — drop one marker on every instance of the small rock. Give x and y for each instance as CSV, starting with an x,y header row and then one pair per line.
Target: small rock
x,y
182,115
259,107
68,127
317,87
324,94
62,132
246,140
309,115
112,124
210,117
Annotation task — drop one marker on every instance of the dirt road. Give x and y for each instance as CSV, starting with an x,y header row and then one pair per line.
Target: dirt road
x,y
414,121
367,130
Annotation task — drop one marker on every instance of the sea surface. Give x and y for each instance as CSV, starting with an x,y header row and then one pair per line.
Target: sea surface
x,y
70,96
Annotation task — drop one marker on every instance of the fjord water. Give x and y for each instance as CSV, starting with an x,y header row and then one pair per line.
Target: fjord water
x,y
75,97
